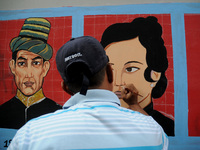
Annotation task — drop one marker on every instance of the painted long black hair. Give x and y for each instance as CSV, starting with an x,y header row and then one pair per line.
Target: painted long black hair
x,y
149,32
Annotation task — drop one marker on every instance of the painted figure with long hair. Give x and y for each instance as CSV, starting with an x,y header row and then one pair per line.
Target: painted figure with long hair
x,y
138,55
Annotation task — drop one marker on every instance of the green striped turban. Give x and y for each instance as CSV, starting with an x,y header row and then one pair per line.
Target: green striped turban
x,y
33,37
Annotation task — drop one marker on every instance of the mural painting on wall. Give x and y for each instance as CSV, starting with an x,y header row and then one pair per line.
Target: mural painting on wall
x,y
138,55
29,65
128,68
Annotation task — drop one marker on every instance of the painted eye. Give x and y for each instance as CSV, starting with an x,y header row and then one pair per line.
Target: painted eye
x,y
131,69
36,63
21,63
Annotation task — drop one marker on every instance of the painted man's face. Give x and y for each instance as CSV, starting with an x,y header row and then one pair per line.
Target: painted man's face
x,y
29,71
128,60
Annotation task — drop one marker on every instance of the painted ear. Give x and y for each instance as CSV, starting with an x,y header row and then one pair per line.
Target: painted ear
x,y
66,89
46,67
155,75
109,73
12,66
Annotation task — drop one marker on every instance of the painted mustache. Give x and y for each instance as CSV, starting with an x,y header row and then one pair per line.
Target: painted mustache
x,y
28,84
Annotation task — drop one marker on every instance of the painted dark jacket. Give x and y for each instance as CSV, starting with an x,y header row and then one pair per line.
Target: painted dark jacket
x,y
14,114
166,123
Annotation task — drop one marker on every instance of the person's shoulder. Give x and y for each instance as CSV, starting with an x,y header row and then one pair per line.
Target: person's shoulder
x,y
137,116
50,103
41,121
48,115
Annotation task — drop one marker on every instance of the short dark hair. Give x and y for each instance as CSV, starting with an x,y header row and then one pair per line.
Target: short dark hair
x,y
14,55
149,32
77,70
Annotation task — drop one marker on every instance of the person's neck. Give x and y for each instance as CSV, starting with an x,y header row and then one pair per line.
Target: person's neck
x,y
29,100
104,86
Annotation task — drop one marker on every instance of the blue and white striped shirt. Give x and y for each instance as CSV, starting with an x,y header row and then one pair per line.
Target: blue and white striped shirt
x,y
94,121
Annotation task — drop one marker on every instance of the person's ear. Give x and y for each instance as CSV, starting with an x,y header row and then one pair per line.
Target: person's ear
x,y
12,66
155,75
46,67
109,73
66,89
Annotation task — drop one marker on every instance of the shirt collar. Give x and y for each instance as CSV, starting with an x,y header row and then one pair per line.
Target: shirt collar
x,y
95,95
30,100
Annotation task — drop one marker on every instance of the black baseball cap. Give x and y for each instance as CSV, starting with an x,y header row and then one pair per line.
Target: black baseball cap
x,y
84,50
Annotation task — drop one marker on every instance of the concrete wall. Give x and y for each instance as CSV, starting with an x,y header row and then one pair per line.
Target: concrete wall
x,y
29,4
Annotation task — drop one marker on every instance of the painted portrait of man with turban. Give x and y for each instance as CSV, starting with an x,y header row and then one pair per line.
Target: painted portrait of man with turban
x,y
29,65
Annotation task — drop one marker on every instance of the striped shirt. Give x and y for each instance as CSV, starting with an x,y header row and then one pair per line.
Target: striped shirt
x,y
94,121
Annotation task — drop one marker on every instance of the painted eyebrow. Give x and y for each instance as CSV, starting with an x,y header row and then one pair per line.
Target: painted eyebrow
x,y
38,57
21,58
133,62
